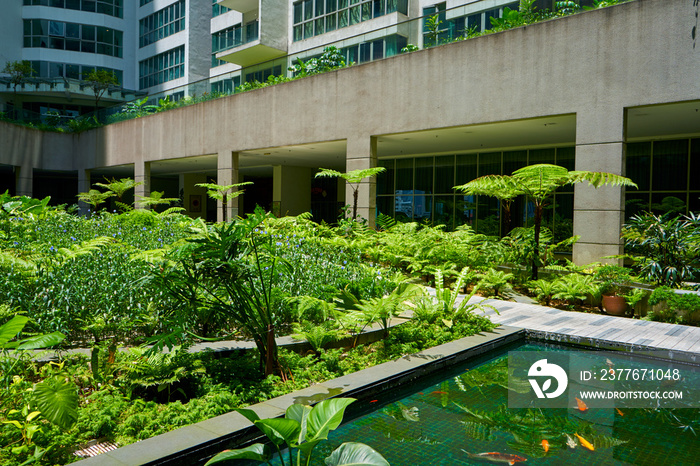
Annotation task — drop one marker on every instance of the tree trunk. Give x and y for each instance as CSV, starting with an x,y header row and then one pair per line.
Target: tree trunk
x,y
538,226
271,365
355,194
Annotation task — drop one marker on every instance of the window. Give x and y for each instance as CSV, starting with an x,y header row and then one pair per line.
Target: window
x,y
71,36
105,7
226,86
662,171
315,17
161,68
45,69
420,189
374,50
217,9
163,23
224,40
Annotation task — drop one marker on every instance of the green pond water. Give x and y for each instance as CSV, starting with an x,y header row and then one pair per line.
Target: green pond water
x,y
435,423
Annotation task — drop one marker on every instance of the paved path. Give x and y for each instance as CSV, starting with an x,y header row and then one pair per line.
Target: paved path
x,y
670,341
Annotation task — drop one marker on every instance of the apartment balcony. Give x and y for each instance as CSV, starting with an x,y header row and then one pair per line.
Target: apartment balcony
x,y
264,33
66,88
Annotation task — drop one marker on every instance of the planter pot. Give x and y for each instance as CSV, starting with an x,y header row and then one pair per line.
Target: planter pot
x,y
614,305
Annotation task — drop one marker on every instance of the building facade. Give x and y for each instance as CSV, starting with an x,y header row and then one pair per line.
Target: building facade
x,y
612,89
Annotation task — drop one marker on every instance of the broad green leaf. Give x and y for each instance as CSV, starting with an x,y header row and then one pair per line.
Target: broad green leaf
x,y
58,401
32,415
14,423
41,341
351,454
280,431
11,328
326,416
256,452
299,413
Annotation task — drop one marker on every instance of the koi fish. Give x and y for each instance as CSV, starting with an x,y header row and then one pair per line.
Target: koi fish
x,y
373,401
570,442
581,405
439,392
619,412
421,393
585,443
545,445
495,457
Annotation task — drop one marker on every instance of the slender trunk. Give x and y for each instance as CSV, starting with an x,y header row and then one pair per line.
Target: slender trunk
x,y
506,217
224,204
271,351
354,203
538,225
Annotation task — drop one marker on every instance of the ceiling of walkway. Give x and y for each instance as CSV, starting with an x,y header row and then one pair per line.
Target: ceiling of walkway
x,y
644,122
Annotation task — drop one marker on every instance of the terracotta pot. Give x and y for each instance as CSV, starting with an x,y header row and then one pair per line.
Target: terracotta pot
x,y
614,305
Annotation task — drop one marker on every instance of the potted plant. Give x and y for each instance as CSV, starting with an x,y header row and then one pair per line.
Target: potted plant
x,y
613,279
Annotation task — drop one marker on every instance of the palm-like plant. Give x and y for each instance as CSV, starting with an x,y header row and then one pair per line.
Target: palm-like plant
x,y
538,183
156,198
496,280
353,178
94,197
223,193
119,188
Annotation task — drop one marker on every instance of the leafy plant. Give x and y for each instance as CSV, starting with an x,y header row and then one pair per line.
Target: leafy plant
x,y
100,80
301,430
665,249
353,178
223,193
539,182
613,278
495,280
543,290
573,288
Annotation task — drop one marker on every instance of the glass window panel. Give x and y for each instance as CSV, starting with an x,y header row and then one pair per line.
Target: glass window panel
x,y
342,4
56,28
566,157
298,32
443,211
298,12
466,168
73,31
635,203
563,227
670,158
308,9
73,45
404,175
378,8
378,49
474,23
88,47
355,14
390,6
403,206
331,6
465,210
541,156
88,5
391,48
366,11
694,165
638,164
512,160
491,14
385,180
444,173
330,22
308,29
424,175
73,71
319,28
488,213
27,27
673,203
342,18
490,164
319,7
57,43
385,205
422,207
401,6
365,52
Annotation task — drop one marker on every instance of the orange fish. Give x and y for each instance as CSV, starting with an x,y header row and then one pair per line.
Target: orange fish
x,y
495,457
439,392
374,401
585,443
581,405
619,412
545,445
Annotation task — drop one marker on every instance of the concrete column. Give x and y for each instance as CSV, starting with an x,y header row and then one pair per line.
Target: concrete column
x,y
142,173
361,153
24,180
226,174
83,187
291,190
599,213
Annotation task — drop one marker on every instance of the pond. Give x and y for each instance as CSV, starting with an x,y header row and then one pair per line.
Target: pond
x,y
453,420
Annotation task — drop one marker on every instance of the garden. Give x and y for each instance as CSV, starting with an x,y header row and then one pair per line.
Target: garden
x,y
136,288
